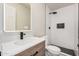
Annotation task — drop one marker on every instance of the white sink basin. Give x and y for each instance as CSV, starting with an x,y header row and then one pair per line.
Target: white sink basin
x,y
24,41
20,42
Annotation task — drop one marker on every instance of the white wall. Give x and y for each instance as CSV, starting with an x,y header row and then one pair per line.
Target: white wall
x,y
78,23
66,37
38,18
76,29
1,18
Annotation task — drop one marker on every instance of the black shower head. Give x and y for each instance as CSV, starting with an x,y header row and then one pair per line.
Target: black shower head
x,y
53,13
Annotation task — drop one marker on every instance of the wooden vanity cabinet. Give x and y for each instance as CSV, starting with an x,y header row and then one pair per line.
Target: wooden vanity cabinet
x,y
37,50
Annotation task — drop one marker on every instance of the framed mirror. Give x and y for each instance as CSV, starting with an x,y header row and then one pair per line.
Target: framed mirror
x,y
17,17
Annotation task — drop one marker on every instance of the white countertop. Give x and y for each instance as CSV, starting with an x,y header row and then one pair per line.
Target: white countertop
x,y
13,47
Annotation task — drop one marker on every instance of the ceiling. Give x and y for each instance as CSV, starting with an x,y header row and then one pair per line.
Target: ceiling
x,y
54,6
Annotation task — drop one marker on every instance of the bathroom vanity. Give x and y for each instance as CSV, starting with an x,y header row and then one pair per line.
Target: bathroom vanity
x,y
37,50
29,46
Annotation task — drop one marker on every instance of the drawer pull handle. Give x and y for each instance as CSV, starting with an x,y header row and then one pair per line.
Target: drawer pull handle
x,y
35,53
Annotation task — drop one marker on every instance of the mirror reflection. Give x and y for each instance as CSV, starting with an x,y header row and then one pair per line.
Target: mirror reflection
x,y
17,17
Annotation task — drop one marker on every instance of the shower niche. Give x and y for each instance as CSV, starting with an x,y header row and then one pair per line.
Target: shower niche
x,y
17,17
60,26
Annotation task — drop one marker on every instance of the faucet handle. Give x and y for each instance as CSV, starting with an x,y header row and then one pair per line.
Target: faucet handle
x,y
21,33
24,34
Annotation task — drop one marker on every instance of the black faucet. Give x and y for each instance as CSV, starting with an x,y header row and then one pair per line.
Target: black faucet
x,y
21,35
0,53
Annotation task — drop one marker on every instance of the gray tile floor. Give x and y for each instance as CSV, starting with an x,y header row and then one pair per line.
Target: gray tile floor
x,y
66,50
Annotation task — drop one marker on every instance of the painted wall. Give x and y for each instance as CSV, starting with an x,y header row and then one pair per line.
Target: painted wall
x,y
1,18
78,24
38,18
67,37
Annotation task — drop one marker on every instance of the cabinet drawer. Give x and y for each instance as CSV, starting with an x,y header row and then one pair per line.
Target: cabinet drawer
x,y
37,50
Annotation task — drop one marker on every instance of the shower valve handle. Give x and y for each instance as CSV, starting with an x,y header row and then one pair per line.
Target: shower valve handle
x,y
49,27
